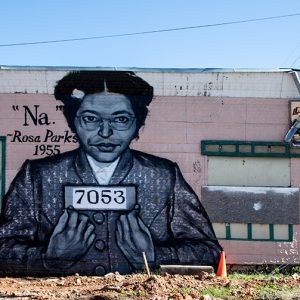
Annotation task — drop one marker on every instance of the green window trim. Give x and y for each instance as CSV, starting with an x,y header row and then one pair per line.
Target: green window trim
x,y
249,227
248,149
228,232
3,156
272,232
249,238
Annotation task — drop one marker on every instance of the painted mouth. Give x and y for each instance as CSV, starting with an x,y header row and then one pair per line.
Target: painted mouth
x,y
106,147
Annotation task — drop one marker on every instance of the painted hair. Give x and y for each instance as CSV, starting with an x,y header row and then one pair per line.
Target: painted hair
x,y
74,86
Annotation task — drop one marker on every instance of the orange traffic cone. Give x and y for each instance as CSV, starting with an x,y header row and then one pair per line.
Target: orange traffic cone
x,y
222,271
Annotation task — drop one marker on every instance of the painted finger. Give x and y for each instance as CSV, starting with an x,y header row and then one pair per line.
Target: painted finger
x,y
142,225
133,221
133,235
121,243
137,208
82,217
127,232
120,232
73,219
89,230
83,222
91,240
124,224
62,222
141,236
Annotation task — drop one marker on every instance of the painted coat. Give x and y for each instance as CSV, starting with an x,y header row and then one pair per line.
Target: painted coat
x,y
180,228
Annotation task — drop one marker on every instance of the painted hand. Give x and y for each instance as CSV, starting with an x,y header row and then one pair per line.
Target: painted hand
x,y
71,238
133,238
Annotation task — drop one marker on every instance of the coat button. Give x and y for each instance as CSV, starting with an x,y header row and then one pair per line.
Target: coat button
x,y
100,245
99,217
100,270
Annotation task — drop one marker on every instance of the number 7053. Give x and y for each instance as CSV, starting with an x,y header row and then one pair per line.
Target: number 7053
x,y
102,196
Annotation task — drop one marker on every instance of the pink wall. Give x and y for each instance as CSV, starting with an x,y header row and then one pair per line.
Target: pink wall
x,y
173,130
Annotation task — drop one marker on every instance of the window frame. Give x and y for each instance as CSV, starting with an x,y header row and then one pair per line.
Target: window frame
x,y
249,237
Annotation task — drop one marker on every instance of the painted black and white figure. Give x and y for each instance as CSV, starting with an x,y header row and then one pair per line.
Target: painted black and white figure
x,y
94,210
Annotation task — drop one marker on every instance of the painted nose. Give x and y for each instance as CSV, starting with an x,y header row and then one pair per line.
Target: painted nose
x,y
105,130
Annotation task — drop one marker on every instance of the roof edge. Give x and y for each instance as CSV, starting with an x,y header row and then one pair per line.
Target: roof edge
x,y
153,70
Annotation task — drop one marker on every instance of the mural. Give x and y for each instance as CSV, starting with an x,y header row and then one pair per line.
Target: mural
x,y
97,208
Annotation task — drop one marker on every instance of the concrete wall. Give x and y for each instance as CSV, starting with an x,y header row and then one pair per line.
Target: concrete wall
x,y
188,107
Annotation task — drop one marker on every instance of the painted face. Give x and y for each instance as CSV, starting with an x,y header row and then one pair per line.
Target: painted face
x,y
105,124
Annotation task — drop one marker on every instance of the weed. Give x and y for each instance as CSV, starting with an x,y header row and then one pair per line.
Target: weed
x,y
296,269
245,276
185,290
276,271
215,291
273,290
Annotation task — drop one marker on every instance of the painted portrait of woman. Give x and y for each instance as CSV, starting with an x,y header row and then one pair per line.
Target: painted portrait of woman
x,y
54,219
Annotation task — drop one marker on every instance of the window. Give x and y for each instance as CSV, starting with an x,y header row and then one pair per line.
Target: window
x,y
254,232
248,194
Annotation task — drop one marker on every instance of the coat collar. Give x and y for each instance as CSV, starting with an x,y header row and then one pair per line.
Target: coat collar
x,y
124,166
87,177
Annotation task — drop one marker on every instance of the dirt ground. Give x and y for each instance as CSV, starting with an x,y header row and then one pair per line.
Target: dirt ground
x,y
156,287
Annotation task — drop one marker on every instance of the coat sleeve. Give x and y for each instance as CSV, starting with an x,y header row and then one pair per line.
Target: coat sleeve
x,y
20,249
192,238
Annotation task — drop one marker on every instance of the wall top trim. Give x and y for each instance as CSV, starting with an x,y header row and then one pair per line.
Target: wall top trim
x,y
277,83
160,70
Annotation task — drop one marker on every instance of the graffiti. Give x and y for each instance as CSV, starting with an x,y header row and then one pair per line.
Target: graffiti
x,y
97,208
293,135
296,111
197,166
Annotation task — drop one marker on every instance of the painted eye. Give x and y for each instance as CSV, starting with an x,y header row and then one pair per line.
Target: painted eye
x,y
121,119
89,119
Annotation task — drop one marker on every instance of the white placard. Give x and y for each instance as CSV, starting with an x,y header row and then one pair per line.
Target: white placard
x,y
100,197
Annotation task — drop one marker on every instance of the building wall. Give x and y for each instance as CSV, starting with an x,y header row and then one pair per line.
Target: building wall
x,y
188,107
